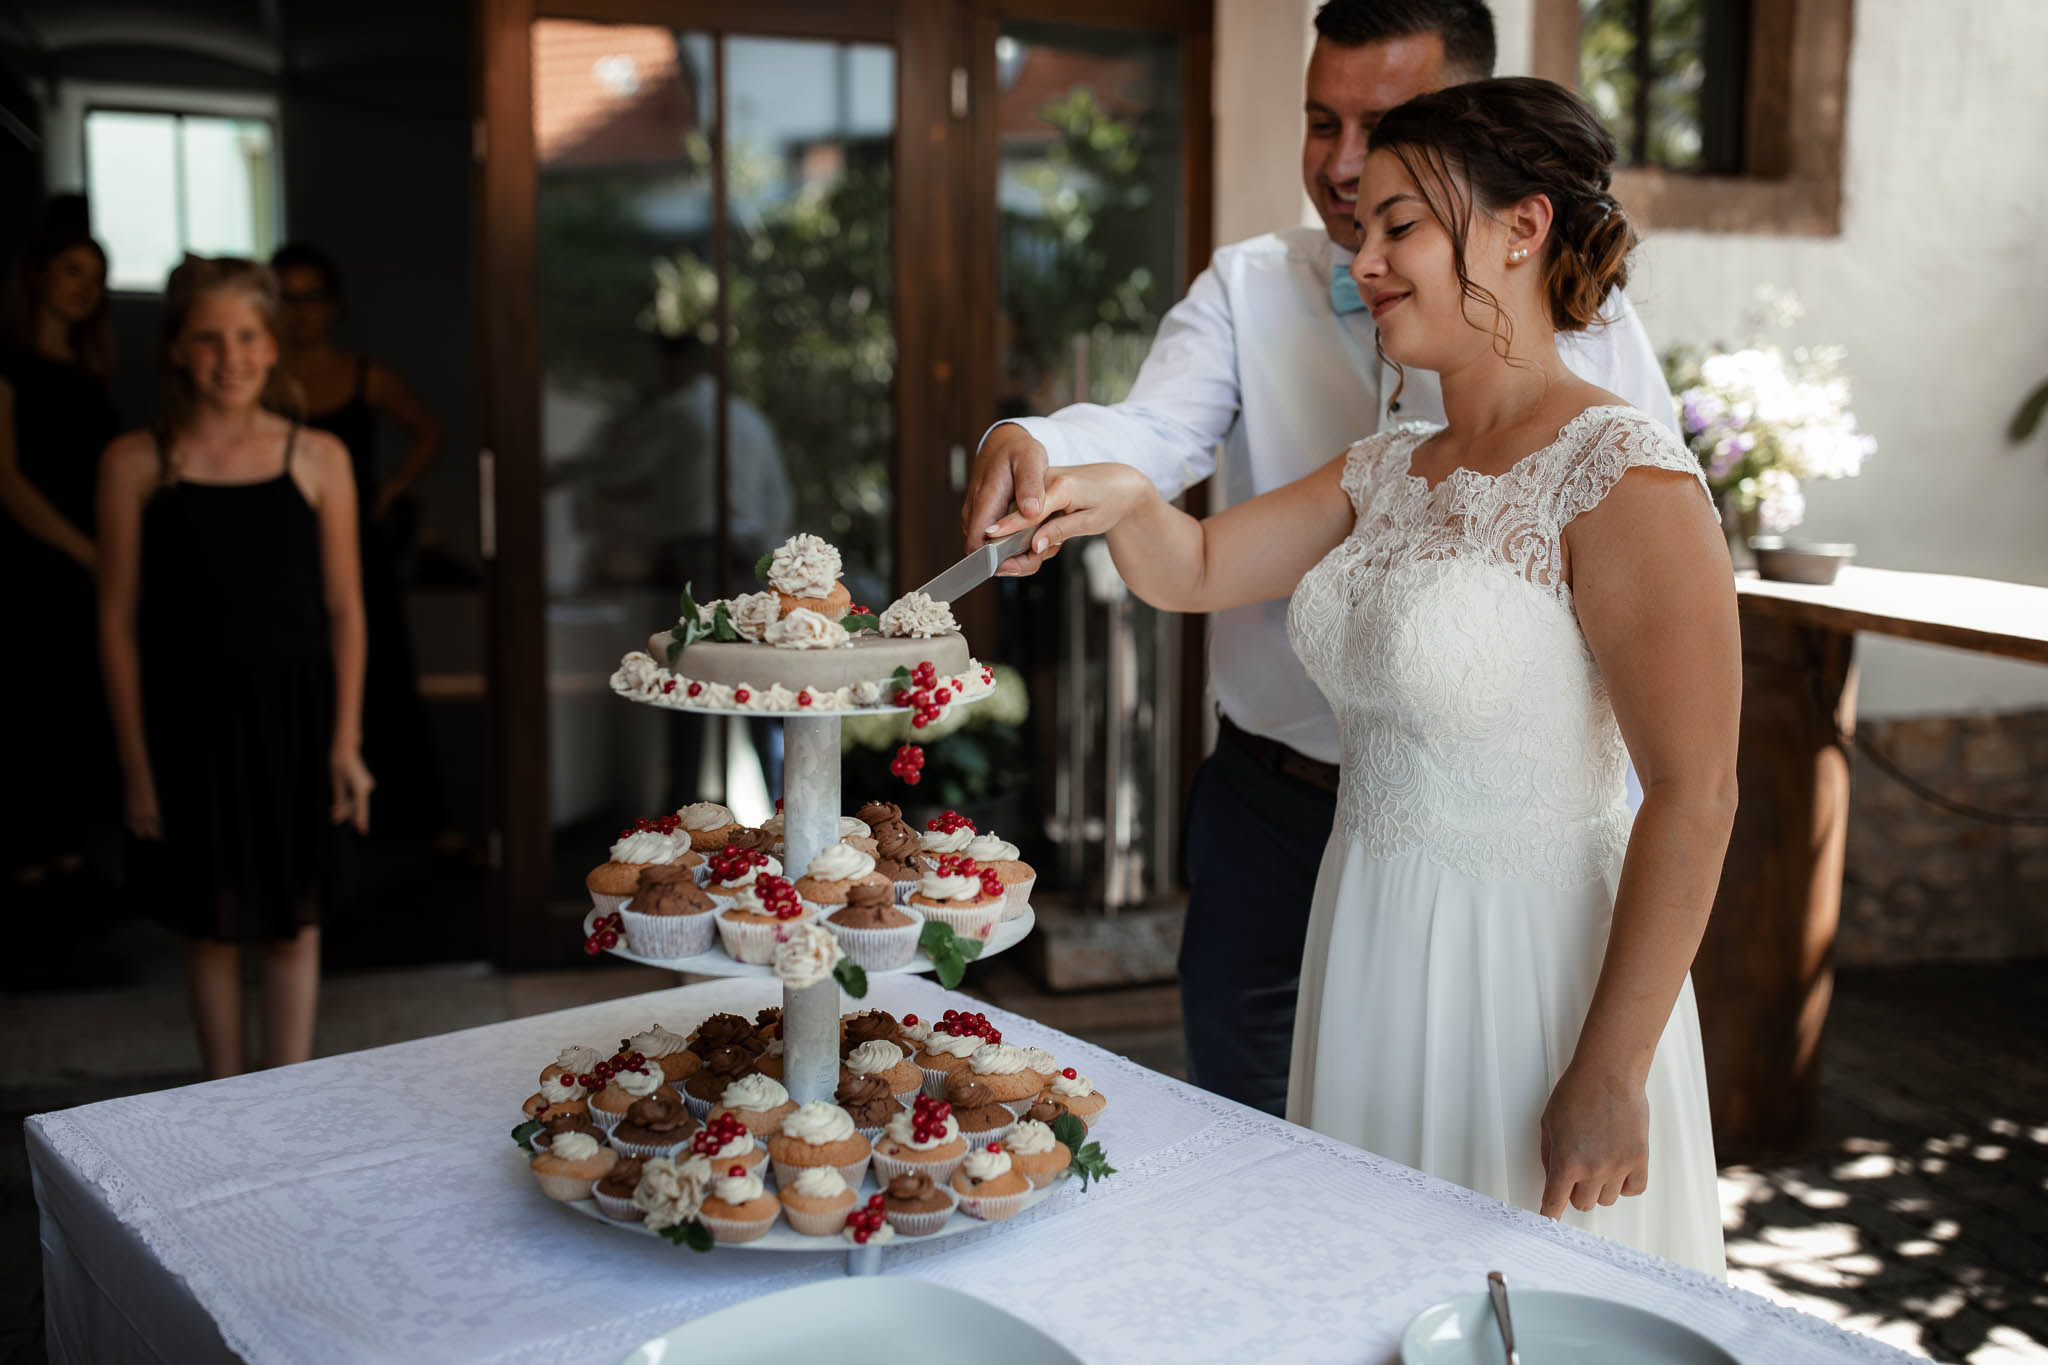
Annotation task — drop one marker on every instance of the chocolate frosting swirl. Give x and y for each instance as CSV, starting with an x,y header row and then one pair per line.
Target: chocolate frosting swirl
x,y
867,1100
878,813
669,890
870,1026
964,1092
722,1030
910,1186
1045,1110
897,842
622,1177
572,1123
657,1115
729,1062
753,840
871,907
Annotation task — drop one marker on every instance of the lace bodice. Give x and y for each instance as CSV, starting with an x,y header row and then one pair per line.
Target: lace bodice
x,y
1475,724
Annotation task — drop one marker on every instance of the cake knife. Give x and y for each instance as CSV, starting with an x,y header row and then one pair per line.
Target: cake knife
x,y
979,566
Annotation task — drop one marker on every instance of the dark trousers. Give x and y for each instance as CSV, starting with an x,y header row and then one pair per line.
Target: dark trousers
x,y
1255,840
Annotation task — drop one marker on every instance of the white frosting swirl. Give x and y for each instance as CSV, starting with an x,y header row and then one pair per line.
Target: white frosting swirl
x,y
775,698
638,675
640,1084
579,1058
738,1147
705,815
867,693
1030,1137
773,867
670,1193
939,887
878,1237
904,1133
656,1041
737,1189
918,617
562,1089
849,828
996,1059
982,1164
874,1057
649,846
755,1093
818,1122
819,1182
951,1045
806,956
717,696
987,848
752,614
804,566
841,863
947,840
1074,1087
807,629
573,1146
918,1031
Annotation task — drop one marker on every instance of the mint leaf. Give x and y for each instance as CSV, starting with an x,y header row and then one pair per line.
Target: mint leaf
x,y
1090,1164
968,948
676,645
852,978
692,1234
523,1134
690,609
761,567
901,677
935,937
722,628
856,623
951,968
1070,1131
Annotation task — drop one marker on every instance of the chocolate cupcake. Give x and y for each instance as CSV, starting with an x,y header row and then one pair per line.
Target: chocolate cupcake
x,y
915,1204
982,1117
654,1127
614,1191
722,1066
875,814
722,1029
873,930
870,1026
568,1123
869,1102
669,915
900,856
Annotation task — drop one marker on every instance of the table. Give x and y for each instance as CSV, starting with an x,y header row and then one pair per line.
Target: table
x,y
1765,970
372,1207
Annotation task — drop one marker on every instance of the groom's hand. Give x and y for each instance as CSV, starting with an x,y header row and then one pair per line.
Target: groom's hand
x,y
1596,1142
1010,468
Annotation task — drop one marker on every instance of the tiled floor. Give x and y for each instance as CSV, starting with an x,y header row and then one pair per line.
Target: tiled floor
x,y
1919,1214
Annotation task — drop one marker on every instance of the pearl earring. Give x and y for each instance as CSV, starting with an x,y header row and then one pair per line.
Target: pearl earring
x,y
1518,255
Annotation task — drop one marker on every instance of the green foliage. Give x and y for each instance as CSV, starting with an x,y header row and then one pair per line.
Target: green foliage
x,y
692,1234
949,952
1089,1162
523,1134
852,977
982,754
2028,419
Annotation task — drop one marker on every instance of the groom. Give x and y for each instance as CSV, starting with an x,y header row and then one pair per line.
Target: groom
x,y
1271,356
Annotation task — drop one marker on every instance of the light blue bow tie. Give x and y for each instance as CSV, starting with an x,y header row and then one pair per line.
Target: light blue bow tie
x,y
1344,295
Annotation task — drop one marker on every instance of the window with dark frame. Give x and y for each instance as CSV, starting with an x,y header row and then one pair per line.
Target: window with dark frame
x,y
1669,78
165,182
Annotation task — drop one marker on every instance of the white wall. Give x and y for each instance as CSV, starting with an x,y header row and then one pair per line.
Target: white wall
x,y
1938,285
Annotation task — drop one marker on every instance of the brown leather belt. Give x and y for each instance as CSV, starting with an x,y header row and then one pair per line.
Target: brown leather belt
x,y
1271,753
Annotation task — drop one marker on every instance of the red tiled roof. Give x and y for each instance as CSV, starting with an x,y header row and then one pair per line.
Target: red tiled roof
x,y
581,120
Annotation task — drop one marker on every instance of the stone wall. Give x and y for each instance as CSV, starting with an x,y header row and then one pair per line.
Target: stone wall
x,y
1924,885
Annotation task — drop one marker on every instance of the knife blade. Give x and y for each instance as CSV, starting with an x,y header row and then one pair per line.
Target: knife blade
x,y
979,566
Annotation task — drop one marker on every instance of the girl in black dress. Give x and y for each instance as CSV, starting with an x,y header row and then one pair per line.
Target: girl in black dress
x,y
56,416
231,631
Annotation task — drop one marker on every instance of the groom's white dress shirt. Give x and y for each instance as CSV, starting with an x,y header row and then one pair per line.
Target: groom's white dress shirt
x,y
1257,360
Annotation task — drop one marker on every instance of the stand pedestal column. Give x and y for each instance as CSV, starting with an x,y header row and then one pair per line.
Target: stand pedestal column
x,y
810,823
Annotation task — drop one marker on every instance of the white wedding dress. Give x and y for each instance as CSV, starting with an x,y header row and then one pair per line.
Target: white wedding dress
x,y
1462,908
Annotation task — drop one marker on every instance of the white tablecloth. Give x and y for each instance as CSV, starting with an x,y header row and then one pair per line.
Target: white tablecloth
x,y
372,1207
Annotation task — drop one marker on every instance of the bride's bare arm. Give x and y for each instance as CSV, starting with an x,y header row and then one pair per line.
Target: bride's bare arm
x,y
1656,599
1256,550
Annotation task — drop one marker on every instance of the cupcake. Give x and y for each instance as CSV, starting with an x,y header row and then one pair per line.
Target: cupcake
x,y
925,1138
1035,1153
1072,1090
836,870
915,1204
855,833
757,840
737,1208
989,1188
564,1123
725,1030
754,923
558,1095
614,1191
1017,877
949,1044
732,871
672,1050
886,1060
707,825
1041,1064
1002,1069
575,1060
612,883
875,814
960,893
869,1026
772,833
900,856
569,1165
803,573
948,834
819,1133
872,930
982,1117
1043,1110
655,1127
817,1201
869,1102
722,1066
630,1083
767,1026
669,914
758,1101
725,1142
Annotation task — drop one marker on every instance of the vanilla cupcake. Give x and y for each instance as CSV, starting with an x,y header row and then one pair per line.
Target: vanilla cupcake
x,y
884,1059
804,574
575,1059
855,832
558,1095
707,825
1017,877
987,1185
758,921
956,894
944,1054
1035,1153
672,1050
612,883
628,1084
816,1200
758,1101
819,1133
834,873
572,1162
732,871
925,1138
1042,1065
725,1142
1002,1068
1077,1095
737,1208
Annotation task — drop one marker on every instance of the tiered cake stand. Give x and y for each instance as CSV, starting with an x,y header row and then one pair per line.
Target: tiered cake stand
x,y
811,807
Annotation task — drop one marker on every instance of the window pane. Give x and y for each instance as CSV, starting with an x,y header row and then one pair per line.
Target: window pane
x,y
228,199
1607,72
1696,56
131,176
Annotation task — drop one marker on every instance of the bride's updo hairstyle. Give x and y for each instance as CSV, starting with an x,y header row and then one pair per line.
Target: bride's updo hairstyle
x,y
1493,143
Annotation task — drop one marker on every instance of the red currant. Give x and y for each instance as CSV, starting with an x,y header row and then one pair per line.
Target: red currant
x,y
1070,1073
668,687
803,698
742,696
696,689
942,696
736,1171
911,1020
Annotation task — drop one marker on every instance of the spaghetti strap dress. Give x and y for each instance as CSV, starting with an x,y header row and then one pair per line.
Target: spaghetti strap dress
x,y
238,710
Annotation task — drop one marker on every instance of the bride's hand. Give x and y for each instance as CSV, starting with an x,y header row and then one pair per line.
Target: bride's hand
x,y
1596,1142
1080,500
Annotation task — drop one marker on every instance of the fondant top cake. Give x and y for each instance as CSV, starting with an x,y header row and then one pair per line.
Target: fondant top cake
x,y
801,643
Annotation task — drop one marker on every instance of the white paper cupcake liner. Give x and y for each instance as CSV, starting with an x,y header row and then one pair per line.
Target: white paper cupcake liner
x,y
991,1208
968,921
1017,897
731,1230
567,1188
617,1209
641,1149
754,943
905,890
887,1168
670,935
829,1223
880,950
873,1135
604,1120
987,1135
922,1224
606,905
786,1173
698,1108
934,1085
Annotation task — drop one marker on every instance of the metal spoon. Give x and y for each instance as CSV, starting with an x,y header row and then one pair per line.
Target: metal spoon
x,y
1497,1290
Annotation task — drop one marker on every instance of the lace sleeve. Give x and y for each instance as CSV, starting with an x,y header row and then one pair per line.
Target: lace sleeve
x,y
1366,461
1612,442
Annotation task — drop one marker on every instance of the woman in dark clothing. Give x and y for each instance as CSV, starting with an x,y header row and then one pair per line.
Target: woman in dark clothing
x,y
231,631
344,394
55,417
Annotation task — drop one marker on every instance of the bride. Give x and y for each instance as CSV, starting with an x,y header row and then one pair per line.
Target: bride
x,y
1495,986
